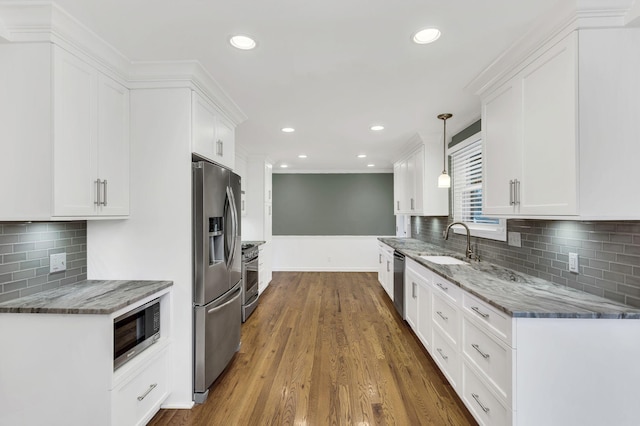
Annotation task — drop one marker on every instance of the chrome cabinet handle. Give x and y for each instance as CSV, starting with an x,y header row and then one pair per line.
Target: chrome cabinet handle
x,y
442,354
380,258
511,189
269,195
144,395
398,205
413,290
220,148
388,266
98,183
516,191
412,204
479,312
442,316
104,198
442,287
477,348
477,398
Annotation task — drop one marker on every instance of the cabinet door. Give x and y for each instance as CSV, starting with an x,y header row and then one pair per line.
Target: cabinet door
x,y
398,186
203,129
381,266
225,143
268,221
418,181
502,147
74,138
411,298
113,146
268,183
549,157
410,184
424,320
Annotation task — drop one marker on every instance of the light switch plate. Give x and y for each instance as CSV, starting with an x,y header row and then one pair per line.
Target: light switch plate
x,y
58,262
573,262
513,239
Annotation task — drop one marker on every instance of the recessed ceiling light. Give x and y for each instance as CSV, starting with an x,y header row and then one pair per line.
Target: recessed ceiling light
x,y
428,35
283,166
288,129
362,155
302,156
242,42
371,165
377,128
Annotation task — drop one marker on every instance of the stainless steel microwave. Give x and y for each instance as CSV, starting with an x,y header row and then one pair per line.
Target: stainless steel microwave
x,y
135,331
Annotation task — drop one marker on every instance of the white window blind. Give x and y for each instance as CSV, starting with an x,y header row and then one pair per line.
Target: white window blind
x,y
466,174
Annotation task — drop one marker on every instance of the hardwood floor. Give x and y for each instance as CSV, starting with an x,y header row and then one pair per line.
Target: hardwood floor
x,y
326,349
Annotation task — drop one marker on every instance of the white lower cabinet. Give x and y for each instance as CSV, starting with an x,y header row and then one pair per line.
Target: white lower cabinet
x,y
385,268
484,406
525,371
138,398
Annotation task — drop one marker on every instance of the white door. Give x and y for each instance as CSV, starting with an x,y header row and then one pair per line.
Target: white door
x,y
502,145
74,139
549,154
113,146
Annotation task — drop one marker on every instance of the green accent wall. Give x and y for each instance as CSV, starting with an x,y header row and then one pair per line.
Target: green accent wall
x,y
333,204
466,133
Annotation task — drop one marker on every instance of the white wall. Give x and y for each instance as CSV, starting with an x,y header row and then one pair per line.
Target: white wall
x,y
325,253
155,242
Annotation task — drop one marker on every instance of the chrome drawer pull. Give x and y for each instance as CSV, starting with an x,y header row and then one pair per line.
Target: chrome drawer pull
x,y
413,290
442,316
477,398
441,354
477,348
144,395
442,287
479,312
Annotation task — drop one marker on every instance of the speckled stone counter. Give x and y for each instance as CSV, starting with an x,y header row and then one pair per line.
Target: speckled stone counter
x,y
85,297
515,293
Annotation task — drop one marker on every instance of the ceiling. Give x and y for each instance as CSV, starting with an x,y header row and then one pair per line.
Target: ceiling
x,y
329,69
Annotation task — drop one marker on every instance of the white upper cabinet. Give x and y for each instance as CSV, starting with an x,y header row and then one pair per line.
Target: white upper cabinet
x,y
70,122
559,135
90,140
415,184
213,137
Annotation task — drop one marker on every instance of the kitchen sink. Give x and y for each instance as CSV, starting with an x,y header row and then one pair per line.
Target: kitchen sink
x,y
444,260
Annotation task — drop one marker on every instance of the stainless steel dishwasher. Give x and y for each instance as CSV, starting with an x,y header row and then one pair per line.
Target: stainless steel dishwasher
x,y
398,282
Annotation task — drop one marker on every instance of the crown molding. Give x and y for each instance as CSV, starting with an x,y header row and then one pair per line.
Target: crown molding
x,y
145,75
289,171
45,21
567,16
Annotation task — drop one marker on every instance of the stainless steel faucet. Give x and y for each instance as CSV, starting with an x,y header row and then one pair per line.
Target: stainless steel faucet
x,y
469,253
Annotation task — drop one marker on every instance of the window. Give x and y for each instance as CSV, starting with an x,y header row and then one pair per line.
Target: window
x,y
466,191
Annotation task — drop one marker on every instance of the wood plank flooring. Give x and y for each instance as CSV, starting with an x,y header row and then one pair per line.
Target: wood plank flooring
x,y
326,349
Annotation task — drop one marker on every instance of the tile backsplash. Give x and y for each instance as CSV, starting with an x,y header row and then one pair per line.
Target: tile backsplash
x,y
609,252
24,256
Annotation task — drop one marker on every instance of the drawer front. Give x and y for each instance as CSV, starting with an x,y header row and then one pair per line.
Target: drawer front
x,y
490,356
447,317
497,322
450,291
484,406
137,400
447,358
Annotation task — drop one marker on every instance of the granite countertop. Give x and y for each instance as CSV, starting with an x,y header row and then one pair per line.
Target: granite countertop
x,y
513,292
255,243
85,297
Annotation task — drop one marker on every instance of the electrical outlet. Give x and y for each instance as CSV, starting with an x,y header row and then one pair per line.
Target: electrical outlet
x,y
514,239
58,262
573,262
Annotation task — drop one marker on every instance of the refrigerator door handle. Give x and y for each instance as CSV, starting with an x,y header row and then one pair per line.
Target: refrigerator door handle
x,y
234,224
232,299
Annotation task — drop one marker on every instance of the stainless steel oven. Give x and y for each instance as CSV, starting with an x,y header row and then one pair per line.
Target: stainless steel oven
x,y
249,280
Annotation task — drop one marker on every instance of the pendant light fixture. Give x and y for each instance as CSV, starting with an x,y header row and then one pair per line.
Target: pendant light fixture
x,y
444,180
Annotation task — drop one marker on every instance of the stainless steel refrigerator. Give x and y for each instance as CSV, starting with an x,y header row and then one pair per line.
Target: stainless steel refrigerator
x,y
217,273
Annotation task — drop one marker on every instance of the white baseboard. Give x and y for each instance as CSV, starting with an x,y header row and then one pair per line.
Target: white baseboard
x,y
336,253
